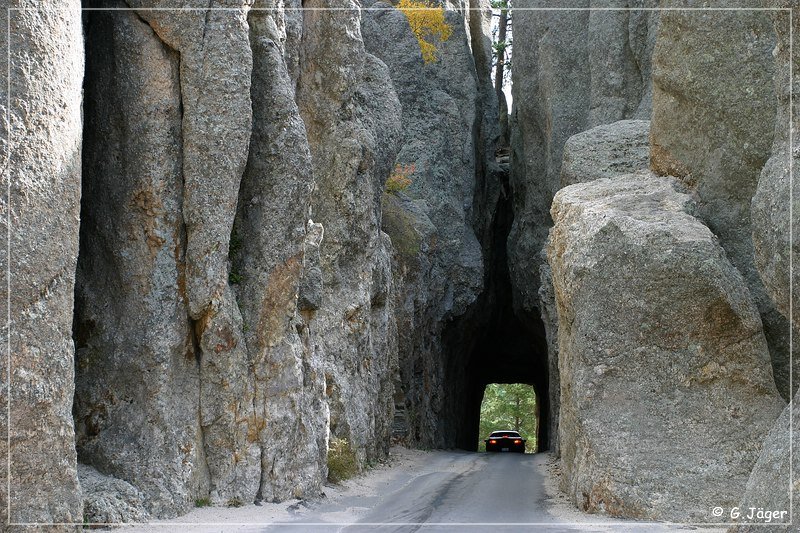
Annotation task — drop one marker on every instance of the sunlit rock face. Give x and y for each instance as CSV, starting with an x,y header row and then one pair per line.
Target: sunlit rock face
x,y
659,340
606,151
41,151
712,127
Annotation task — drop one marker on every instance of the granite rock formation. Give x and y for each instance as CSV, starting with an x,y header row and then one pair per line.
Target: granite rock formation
x,y
606,151
42,153
230,392
352,116
446,150
770,205
262,274
712,126
658,337
253,229
579,69
771,483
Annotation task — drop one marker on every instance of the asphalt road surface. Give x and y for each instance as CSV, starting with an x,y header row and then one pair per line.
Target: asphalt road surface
x,y
458,491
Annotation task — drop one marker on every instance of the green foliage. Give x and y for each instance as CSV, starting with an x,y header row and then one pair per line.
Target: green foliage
x,y
235,245
202,502
509,406
499,47
427,23
234,277
501,43
342,462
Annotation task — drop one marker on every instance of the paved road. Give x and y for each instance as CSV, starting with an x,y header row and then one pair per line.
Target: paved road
x,y
437,491
459,491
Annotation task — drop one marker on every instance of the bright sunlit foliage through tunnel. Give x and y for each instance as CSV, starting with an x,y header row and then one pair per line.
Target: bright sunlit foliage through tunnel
x,y
510,406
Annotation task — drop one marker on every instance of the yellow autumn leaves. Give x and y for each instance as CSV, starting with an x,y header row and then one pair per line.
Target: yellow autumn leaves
x,y
427,23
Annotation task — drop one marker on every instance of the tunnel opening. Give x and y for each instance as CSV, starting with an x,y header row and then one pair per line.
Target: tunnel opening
x,y
509,406
494,342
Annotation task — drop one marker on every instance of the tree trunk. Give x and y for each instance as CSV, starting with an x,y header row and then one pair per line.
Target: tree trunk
x,y
501,56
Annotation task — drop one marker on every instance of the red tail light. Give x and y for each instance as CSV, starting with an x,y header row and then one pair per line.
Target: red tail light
x,y
517,441
492,441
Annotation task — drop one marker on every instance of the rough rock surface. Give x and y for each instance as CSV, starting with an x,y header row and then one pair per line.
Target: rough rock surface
x,y
606,151
578,69
549,314
658,341
268,266
264,332
770,206
352,116
42,152
223,398
770,484
137,378
108,500
448,135
712,126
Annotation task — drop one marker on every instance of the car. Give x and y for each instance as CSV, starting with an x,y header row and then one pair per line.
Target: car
x,y
505,441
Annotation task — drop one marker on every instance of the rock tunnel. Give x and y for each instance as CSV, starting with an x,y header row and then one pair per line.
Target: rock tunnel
x,y
496,343
295,233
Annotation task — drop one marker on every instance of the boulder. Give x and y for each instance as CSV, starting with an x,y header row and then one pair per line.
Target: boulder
x,y
773,479
666,387
108,500
606,151
771,483
771,202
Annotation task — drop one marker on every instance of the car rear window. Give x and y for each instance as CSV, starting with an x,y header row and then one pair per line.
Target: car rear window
x,y
504,434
